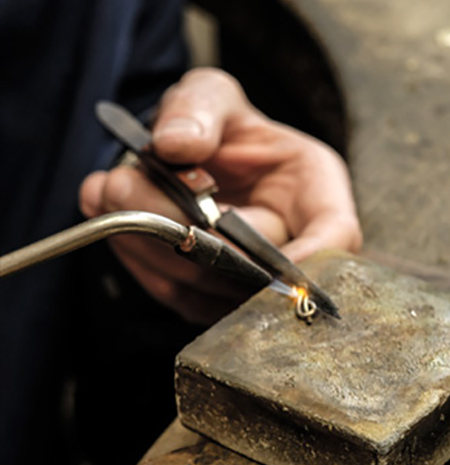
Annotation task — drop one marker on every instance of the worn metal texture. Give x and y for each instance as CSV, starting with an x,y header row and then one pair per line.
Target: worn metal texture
x,y
372,389
205,453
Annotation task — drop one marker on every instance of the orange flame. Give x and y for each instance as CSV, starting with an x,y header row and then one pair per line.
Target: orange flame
x,y
301,292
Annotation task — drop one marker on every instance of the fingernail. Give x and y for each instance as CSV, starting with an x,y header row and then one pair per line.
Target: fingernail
x,y
179,127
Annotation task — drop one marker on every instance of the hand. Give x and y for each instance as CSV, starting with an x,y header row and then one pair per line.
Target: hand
x,y
294,189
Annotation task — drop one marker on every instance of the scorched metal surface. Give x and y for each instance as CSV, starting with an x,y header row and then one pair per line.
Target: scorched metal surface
x,y
371,389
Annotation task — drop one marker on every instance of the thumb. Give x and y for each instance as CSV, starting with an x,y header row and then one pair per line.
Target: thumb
x,y
193,115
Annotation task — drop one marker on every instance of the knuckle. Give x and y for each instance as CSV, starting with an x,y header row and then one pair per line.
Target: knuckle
x,y
116,192
215,75
162,290
177,93
213,84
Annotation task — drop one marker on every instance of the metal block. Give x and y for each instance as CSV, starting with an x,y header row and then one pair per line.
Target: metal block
x,y
371,389
206,453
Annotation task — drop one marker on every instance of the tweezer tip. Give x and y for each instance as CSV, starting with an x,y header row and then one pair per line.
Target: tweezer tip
x,y
331,309
334,313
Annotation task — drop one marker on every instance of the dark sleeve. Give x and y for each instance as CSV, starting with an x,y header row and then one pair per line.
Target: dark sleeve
x,y
159,55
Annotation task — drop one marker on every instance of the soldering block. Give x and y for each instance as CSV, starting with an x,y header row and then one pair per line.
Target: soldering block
x,y
370,389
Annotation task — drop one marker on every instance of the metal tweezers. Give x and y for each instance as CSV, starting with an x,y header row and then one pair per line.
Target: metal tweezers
x,y
191,188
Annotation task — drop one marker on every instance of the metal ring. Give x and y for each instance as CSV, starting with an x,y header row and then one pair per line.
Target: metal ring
x,y
305,308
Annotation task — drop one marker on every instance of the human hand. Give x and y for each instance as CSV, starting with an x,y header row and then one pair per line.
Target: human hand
x,y
294,189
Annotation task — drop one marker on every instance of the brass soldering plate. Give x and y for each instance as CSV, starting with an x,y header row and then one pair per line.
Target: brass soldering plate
x,y
373,388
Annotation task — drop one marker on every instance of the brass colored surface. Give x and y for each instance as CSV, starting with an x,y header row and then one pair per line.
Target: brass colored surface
x,y
206,453
372,389
175,437
192,243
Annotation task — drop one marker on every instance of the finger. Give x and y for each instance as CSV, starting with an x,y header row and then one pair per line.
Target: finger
x,y
193,114
313,182
328,230
198,308
91,193
161,259
193,305
266,222
129,189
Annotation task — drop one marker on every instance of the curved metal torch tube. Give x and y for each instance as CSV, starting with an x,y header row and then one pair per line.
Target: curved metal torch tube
x,y
194,244
91,231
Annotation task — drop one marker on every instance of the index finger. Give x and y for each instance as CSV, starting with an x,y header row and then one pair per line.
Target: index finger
x,y
329,230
